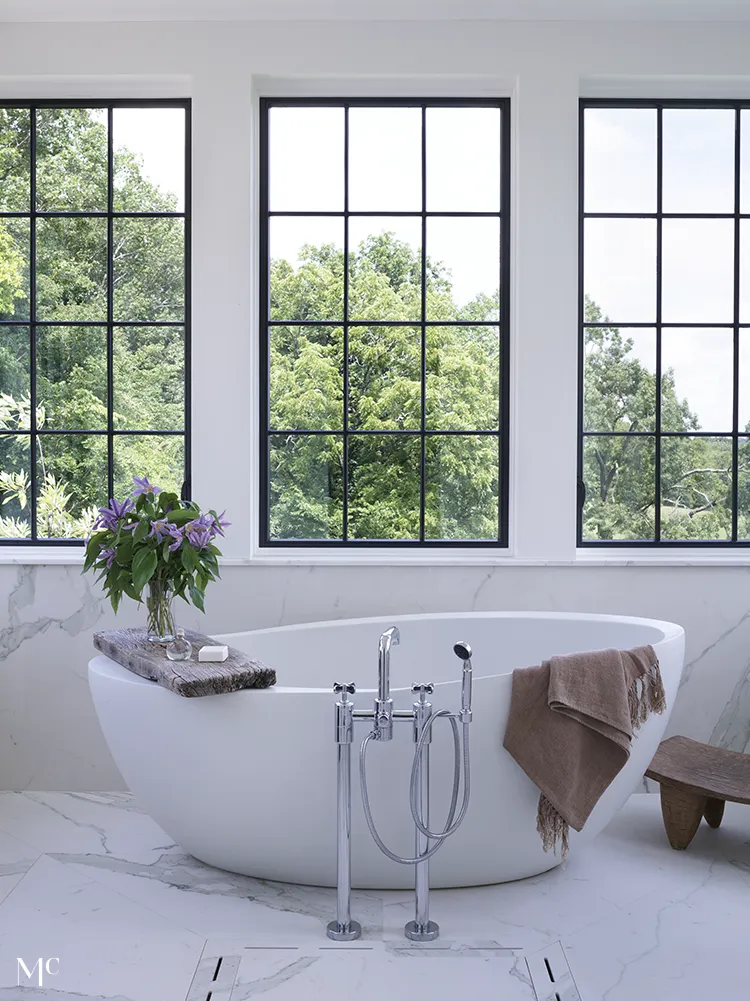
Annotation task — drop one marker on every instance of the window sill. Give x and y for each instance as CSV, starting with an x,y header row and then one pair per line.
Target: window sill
x,y
53,556
663,557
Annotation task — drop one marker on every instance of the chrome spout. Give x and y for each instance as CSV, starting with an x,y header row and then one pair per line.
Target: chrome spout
x,y
391,637
383,709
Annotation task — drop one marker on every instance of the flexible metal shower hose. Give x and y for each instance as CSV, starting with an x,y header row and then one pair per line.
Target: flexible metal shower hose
x,y
461,753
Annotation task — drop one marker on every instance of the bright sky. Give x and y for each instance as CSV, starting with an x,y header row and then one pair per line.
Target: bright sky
x,y
158,136
697,254
385,171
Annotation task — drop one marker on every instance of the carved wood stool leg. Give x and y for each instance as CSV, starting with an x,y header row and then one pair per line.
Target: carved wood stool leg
x,y
714,812
682,812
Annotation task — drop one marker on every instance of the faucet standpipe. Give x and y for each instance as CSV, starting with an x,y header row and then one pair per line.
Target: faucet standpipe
x,y
344,929
382,716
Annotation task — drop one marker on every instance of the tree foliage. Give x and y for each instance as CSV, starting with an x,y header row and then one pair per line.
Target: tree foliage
x,y
72,286
620,465
385,399
387,394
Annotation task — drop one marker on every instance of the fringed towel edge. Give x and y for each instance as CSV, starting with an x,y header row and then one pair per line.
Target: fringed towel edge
x,y
645,696
552,827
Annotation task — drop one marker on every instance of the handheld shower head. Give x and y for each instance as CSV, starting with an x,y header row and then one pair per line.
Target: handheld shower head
x,y
463,652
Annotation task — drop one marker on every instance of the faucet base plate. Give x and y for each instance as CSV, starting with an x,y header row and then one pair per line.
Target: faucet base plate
x,y
422,933
343,933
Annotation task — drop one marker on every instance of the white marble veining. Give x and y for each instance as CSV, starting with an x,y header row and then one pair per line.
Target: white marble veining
x,y
92,880
50,738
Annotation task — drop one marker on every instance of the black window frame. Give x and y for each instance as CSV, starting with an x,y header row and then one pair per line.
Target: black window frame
x,y
503,325
660,105
110,214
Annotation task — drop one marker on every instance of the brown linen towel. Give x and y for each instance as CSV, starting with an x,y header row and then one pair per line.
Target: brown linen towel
x,y
571,725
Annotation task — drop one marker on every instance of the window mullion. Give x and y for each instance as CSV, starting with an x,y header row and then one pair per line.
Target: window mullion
x,y
32,322
110,306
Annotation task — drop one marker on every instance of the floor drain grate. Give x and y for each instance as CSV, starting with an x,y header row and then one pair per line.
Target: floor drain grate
x,y
214,979
551,976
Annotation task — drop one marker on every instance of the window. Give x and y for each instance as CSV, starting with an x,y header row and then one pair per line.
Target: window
x,y
384,322
94,233
665,312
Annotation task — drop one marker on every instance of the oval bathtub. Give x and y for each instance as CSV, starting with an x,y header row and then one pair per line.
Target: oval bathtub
x,y
247,781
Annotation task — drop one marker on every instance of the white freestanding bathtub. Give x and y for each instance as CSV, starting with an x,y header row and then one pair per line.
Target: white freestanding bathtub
x,y
247,781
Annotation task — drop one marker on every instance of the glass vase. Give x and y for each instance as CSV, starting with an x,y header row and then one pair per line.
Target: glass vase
x,y
160,623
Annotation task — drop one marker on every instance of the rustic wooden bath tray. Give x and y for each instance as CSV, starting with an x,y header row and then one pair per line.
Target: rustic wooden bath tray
x,y
188,678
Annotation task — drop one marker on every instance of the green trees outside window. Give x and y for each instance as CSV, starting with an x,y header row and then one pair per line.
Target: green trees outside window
x,y
92,310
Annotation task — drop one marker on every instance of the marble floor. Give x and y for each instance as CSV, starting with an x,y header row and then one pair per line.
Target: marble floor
x,y
115,911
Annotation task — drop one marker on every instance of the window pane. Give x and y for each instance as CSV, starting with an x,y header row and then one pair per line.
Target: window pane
x,y
15,190
698,164
619,379
620,483
620,159
14,278
744,379
306,486
149,378
463,378
385,268
745,271
696,488
15,379
71,484
385,378
71,374
15,486
149,266
149,159
745,161
399,379
306,268
71,159
463,159
698,270
384,486
71,269
743,489
620,268
697,379
385,159
161,458
307,378
463,269
306,159
461,487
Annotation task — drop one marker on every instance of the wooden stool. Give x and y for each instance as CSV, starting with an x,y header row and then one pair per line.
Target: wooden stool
x,y
696,780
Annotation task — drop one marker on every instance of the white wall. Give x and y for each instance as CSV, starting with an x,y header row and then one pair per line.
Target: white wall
x,y
48,733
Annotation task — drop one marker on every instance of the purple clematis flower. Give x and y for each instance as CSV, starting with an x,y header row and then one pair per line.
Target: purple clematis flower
x,y
142,486
197,534
110,517
220,524
109,554
177,534
159,529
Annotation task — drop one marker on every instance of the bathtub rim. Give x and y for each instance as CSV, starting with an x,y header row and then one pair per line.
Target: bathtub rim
x,y
671,631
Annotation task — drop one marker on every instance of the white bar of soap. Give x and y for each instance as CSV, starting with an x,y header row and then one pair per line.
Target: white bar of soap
x,y
213,653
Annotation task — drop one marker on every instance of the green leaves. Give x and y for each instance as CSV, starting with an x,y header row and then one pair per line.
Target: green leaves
x,y
144,566
181,517
190,558
141,532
